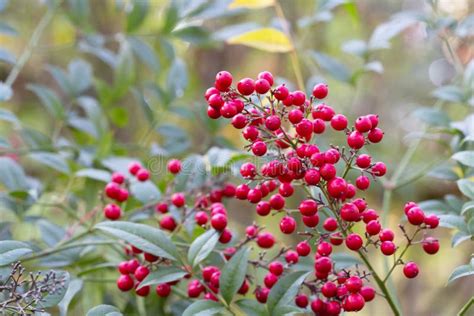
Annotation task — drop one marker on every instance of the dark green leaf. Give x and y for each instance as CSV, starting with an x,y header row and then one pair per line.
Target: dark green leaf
x,y
171,18
203,308
465,157
202,247
144,237
104,310
285,290
251,307
138,14
12,174
53,160
12,250
49,99
233,274
163,275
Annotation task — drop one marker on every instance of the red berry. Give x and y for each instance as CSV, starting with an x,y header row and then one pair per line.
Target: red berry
x,y
168,222
261,294
295,116
208,271
269,280
287,225
362,183
213,113
308,207
251,231
239,121
363,161
174,166
324,112
246,86
430,245
318,306
369,215
304,128
386,235
330,224
211,91
112,190
312,177
368,293
354,302
336,239
286,189
318,126
303,248
228,110
373,227
201,218
223,80
337,187
353,284
328,171
123,267
329,289
226,236
388,248
248,170
281,92
356,140
262,86
141,272
410,270
350,213
333,308
323,265
324,249
276,267
133,264
320,91
299,97
149,257
259,148
263,208
354,242
277,202
219,221
339,122
125,283
178,199
272,122
118,177
254,195
241,191
134,167
374,119
163,289
244,288
250,133
143,175
363,124
416,216
311,221
301,300
432,221
375,135
267,76
112,211
379,169
291,257
265,240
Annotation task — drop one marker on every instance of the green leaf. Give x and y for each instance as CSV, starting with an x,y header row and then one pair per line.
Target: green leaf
x,y
145,192
461,271
452,221
202,247
49,99
288,310
96,174
144,237
53,299
138,14
467,187
251,307
449,93
192,34
355,47
266,39
145,53
12,250
203,308
193,174
53,160
177,80
336,69
465,157
104,310
467,208
6,92
163,275
233,274
12,175
432,116
80,75
285,290
344,260
8,116
459,238
119,164
74,287
383,33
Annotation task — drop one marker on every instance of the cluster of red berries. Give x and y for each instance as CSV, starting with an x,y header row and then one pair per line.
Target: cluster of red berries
x,y
280,125
117,191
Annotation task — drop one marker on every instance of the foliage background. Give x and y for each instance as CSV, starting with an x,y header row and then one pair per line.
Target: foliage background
x,y
144,66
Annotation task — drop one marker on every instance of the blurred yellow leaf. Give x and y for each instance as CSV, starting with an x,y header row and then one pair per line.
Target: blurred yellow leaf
x,y
267,39
251,4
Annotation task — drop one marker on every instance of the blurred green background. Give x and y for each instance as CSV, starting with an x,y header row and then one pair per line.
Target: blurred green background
x,y
147,64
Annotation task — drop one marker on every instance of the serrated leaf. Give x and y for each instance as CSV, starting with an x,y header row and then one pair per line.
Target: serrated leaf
x,y
233,274
144,237
465,157
267,39
461,271
285,290
250,4
12,175
52,160
96,174
49,99
203,308
163,275
467,187
104,310
202,246
12,250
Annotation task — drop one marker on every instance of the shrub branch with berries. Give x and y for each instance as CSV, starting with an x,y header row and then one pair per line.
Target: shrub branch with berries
x,y
219,269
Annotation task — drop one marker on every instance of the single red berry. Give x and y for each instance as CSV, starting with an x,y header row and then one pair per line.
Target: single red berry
x,y
430,245
337,187
143,175
318,306
123,267
320,91
259,148
375,135
244,288
269,280
263,208
261,294
223,80
409,205
386,235
228,110
318,126
308,207
250,133
410,270
254,195
388,248
112,211
301,300
363,124
354,284
262,86
163,289
336,239
329,289
287,225
368,293
213,113
281,92
178,199
333,308
291,257
251,231
303,248
248,170
374,119
349,212
304,128
286,189
211,91
125,283
161,208
330,224
122,195
265,240
373,227
141,272
149,257
415,216
328,171
174,166
246,86
134,167
311,221
239,121
277,201
363,161
295,116
273,122
354,302
219,221
323,265
267,76
432,221
339,122
112,190
132,265
369,215
299,97
356,140
276,267
312,177
332,156
226,236
379,169
362,183
168,222
324,248
118,177
208,271
354,242
241,191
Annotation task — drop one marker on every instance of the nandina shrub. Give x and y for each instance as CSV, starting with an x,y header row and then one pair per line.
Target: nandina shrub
x,y
260,273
